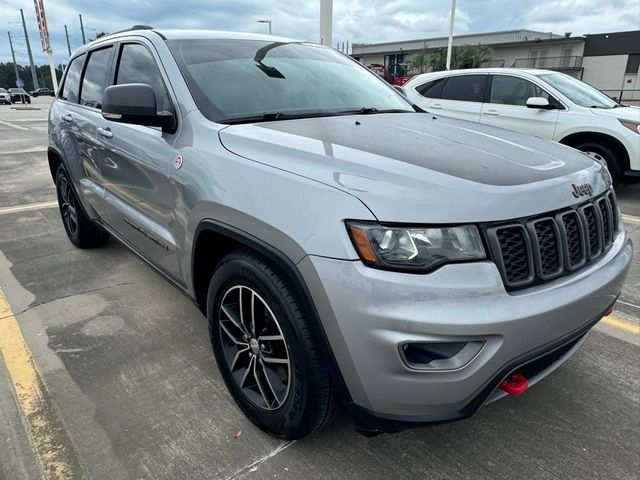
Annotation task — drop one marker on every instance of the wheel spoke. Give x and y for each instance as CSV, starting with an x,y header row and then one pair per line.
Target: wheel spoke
x,y
234,320
279,361
248,371
238,355
259,383
271,338
265,373
234,339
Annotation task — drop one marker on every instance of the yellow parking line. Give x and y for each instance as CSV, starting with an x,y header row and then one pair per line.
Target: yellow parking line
x,y
49,438
631,218
620,324
30,206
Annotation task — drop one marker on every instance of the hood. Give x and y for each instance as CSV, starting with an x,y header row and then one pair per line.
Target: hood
x,y
623,113
422,168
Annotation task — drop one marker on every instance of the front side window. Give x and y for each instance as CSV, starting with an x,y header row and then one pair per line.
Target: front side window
x,y
71,85
95,78
248,80
509,90
137,65
468,88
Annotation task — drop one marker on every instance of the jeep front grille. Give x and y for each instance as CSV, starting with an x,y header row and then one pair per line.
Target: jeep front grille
x,y
532,250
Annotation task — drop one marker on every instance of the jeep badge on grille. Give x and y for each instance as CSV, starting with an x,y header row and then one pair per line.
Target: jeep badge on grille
x,y
584,190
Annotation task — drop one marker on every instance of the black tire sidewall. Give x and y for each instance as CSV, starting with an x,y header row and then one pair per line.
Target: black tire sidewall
x,y
289,420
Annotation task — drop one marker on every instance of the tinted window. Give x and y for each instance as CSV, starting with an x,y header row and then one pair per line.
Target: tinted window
x,y
469,88
431,89
514,90
95,78
138,66
72,80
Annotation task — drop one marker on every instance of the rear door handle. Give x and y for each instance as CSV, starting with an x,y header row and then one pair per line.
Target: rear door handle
x,y
493,113
67,118
436,105
105,132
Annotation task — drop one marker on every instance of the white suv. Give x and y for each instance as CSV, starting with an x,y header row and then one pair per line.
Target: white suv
x,y
540,102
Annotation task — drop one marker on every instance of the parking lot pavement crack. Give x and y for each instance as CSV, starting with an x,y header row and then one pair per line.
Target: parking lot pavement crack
x,y
252,467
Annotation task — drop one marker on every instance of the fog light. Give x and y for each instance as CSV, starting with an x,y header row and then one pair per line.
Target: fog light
x,y
434,356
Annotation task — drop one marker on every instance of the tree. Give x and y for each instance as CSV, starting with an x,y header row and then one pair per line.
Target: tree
x,y
98,35
462,56
419,62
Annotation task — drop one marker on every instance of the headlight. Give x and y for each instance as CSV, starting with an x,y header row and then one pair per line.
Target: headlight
x,y
420,249
633,126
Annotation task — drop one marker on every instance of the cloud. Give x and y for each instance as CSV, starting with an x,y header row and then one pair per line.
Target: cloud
x,y
361,21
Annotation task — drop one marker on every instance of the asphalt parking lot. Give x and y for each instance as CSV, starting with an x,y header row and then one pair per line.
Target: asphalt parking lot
x,y
127,387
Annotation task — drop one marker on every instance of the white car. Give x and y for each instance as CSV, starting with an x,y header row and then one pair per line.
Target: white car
x,y
5,97
540,102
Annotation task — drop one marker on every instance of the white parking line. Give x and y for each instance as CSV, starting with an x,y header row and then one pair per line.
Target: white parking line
x,y
26,150
11,125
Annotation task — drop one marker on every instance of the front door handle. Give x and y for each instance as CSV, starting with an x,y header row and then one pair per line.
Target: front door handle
x,y
436,106
105,132
67,118
493,113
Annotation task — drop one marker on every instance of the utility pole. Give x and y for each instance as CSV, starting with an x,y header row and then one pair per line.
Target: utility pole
x,y
15,65
34,77
326,21
450,44
84,40
66,32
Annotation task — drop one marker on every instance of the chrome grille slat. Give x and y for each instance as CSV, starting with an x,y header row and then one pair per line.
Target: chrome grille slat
x,y
534,250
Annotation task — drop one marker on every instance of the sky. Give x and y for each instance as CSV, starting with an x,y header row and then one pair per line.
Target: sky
x,y
359,21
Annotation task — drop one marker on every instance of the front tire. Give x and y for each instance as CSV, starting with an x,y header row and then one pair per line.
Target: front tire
x,y
81,230
264,348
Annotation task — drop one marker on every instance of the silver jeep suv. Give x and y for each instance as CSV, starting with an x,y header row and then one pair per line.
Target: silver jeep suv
x,y
346,247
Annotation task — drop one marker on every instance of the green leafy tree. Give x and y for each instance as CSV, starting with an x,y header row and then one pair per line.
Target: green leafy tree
x,y
462,56
419,63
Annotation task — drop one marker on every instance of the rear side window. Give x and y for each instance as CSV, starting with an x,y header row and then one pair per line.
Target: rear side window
x,y
137,65
431,89
469,88
509,90
95,78
72,80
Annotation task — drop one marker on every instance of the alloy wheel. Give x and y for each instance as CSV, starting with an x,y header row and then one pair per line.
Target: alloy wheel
x,y
254,347
68,206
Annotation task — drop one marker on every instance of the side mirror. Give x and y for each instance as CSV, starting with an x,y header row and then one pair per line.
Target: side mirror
x,y
135,103
539,102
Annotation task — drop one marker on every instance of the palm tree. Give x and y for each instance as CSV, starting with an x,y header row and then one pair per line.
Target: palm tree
x,y
419,62
462,56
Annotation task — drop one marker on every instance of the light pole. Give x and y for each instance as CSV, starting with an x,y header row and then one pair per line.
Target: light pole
x,y
326,21
268,20
450,43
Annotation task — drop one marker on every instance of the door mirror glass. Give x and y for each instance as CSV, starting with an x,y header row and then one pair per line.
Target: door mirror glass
x,y
135,103
539,102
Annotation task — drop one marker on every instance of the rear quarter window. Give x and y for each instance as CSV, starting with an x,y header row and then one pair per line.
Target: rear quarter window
x,y
71,87
432,89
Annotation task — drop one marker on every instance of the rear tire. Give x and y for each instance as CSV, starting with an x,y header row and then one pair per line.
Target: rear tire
x,y
286,391
603,152
81,230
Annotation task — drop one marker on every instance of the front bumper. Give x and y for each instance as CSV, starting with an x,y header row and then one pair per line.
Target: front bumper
x,y
367,314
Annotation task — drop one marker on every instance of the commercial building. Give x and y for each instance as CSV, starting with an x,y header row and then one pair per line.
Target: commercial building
x,y
609,61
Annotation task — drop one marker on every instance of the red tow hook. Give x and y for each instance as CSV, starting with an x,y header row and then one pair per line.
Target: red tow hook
x,y
515,384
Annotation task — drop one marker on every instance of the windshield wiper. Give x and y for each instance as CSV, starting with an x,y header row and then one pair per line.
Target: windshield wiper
x,y
372,111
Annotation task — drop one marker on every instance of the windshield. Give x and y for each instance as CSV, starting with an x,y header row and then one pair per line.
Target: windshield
x,y
578,92
235,80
